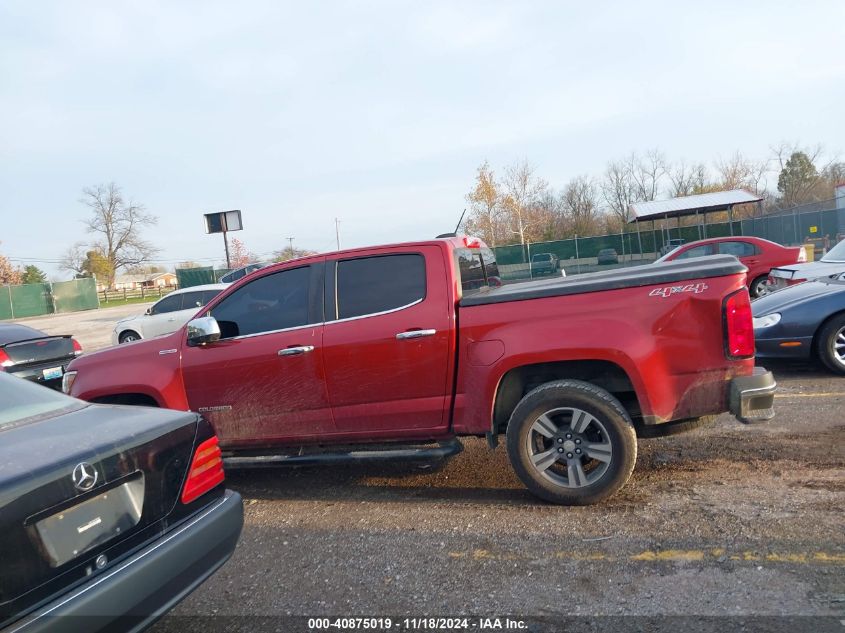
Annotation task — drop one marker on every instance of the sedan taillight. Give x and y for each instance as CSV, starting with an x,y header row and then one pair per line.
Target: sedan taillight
x,y
802,255
5,361
739,326
206,471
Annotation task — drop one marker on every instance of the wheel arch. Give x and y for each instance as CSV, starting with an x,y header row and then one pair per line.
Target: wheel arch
x,y
519,381
135,399
815,344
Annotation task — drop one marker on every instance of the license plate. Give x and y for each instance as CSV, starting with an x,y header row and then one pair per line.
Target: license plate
x,y
53,372
80,528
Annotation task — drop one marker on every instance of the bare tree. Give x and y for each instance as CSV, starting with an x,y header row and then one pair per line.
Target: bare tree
x,y
581,207
118,224
738,172
485,206
618,190
647,174
522,190
688,179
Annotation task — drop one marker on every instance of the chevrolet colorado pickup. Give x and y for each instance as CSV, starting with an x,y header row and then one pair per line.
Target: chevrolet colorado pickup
x,y
380,351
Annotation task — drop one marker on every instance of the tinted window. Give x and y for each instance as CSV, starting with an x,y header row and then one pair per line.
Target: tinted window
x,y
737,249
542,257
376,284
698,251
192,300
477,269
170,303
272,302
208,295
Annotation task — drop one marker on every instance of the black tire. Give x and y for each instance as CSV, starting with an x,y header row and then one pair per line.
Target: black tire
x,y
128,336
830,335
563,402
758,287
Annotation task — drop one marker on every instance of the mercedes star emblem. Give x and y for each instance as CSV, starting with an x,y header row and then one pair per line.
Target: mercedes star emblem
x,y
84,476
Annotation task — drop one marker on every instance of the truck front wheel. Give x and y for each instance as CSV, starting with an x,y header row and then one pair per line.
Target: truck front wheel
x,y
571,442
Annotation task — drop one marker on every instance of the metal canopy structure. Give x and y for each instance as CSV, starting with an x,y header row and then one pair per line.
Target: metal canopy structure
x,y
702,203
690,205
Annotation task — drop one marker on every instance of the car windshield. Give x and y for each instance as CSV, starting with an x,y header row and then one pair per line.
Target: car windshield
x,y
542,257
835,254
23,399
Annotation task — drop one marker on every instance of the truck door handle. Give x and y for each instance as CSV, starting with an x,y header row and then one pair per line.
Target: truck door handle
x,y
296,351
415,334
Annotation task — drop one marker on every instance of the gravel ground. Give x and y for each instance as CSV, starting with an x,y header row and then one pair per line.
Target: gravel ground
x,y
726,520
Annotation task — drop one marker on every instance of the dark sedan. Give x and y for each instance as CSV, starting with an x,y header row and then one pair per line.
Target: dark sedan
x,y
110,515
34,355
802,322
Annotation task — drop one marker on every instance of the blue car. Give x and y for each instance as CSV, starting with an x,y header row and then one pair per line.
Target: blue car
x,y
805,321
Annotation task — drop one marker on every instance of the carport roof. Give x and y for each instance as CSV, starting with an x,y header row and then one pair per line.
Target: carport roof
x,y
690,205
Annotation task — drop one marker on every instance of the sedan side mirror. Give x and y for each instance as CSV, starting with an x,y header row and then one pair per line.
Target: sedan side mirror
x,y
203,330
148,311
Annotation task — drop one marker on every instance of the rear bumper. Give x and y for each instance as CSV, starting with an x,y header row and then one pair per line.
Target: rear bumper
x,y
752,397
144,587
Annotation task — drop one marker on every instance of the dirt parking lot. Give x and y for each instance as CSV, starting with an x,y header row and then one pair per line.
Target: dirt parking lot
x,y
728,520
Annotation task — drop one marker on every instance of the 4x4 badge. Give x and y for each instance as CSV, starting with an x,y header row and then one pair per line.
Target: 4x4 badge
x,y
674,290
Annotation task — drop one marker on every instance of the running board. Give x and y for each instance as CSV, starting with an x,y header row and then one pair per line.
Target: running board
x,y
442,451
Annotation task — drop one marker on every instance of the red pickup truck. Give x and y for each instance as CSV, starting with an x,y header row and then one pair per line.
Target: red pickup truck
x,y
384,351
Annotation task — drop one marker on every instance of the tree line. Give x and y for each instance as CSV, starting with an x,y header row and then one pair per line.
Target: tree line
x,y
518,206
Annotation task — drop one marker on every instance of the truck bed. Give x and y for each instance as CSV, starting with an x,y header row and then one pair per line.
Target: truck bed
x,y
617,279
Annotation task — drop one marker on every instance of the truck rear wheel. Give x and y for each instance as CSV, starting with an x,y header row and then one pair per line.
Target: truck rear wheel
x,y
571,442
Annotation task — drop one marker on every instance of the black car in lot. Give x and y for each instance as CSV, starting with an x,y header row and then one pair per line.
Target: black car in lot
x,y
802,322
34,355
110,515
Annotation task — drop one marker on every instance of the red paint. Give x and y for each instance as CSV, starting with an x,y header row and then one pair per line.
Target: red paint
x,y
361,384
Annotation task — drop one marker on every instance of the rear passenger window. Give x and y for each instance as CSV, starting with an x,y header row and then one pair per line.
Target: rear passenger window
x,y
208,295
369,285
737,249
192,300
171,303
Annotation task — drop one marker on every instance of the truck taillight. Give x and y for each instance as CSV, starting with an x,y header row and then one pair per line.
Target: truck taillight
x,y
739,328
77,347
802,255
206,471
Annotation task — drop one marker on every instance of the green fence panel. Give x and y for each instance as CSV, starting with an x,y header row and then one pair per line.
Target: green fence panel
x,y
31,300
188,277
5,302
74,295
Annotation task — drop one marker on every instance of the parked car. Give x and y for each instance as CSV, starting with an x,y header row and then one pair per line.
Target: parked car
x,y
543,264
830,265
671,245
32,354
238,273
166,315
111,515
802,322
759,255
607,256
305,359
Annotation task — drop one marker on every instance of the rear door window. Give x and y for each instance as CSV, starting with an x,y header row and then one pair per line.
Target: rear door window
x,y
737,249
370,285
208,295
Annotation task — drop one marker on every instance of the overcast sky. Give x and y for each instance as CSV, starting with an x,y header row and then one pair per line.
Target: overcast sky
x,y
378,113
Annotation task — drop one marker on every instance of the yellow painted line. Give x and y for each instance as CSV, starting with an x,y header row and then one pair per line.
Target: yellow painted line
x,y
668,555
830,394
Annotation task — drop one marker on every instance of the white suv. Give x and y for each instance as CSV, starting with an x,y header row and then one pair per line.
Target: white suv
x,y
167,315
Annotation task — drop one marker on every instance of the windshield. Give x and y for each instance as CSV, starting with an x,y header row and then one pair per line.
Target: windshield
x,y
542,257
835,254
23,399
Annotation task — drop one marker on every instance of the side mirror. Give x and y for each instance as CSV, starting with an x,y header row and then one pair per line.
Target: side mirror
x,y
203,330
148,311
